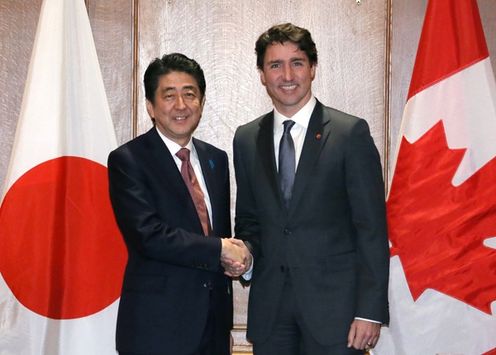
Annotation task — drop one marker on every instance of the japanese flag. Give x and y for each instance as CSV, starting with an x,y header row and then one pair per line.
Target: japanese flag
x,y
61,254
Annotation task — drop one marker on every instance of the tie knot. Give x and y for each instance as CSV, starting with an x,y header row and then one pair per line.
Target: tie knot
x,y
183,154
288,124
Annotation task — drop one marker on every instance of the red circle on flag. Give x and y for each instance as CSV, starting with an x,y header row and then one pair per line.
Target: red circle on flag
x,y
61,252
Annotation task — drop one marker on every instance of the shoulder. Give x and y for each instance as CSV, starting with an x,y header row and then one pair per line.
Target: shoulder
x,y
340,117
135,147
252,126
343,122
248,132
208,148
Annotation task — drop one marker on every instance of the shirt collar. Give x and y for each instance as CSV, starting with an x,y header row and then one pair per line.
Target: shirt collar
x,y
302,117
173,146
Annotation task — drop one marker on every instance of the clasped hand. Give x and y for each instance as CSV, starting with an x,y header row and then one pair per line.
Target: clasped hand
x,y
235,257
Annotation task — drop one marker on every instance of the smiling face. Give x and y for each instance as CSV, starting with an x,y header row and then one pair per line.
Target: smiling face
x,y
178,106
287,75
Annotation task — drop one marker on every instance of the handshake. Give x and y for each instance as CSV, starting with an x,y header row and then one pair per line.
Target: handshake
x,y
235,257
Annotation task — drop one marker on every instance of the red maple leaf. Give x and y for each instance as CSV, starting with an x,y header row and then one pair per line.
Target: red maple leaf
x,y
438,229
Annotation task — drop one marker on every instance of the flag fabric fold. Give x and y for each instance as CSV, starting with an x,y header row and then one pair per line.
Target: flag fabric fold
x,y
61,253
442,198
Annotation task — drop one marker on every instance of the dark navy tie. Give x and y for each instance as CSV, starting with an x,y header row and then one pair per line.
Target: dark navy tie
x,y
287,162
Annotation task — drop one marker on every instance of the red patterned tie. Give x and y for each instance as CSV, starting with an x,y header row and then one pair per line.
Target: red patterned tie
x,y
194,188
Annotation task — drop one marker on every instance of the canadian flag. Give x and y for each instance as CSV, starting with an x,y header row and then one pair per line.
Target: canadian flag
x,y
61,254
442,199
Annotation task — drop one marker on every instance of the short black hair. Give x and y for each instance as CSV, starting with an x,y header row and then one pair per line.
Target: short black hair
x,y
173,62
286,32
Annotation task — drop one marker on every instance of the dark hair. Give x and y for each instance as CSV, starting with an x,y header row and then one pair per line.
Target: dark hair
x,y
173,62
286,32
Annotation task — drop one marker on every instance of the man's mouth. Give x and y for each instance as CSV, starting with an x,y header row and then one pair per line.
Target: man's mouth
x,y
288,87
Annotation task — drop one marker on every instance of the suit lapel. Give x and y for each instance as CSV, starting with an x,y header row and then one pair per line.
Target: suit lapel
x,y
315,138
266,155
207,164
166,167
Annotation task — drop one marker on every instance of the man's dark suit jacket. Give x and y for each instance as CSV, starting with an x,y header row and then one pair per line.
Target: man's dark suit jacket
x,y
172,268
332,240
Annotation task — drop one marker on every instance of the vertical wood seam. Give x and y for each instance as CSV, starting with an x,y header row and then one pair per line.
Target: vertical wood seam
x,y
387,91
134,94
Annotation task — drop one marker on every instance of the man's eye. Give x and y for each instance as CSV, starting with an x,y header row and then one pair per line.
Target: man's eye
x,y
275,66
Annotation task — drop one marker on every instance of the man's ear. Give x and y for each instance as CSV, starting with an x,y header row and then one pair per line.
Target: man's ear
x,y
150,109
313,68
262,76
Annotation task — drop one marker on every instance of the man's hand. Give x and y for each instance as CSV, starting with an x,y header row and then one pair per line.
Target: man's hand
x,y
235,257
363,334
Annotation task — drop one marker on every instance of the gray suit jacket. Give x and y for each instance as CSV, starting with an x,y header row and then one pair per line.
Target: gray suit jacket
x,y
332,240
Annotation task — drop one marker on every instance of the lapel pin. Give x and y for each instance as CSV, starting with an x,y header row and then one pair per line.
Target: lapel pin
x,y
318,135
211,163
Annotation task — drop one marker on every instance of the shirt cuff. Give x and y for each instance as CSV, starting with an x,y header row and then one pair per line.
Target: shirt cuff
x,y
365,319
247,275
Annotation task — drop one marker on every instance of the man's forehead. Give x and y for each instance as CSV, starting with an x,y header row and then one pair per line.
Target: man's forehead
x,y
278,49
170,86
177,80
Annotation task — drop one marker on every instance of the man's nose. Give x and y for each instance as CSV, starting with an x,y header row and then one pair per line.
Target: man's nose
x,y
180,103
287,73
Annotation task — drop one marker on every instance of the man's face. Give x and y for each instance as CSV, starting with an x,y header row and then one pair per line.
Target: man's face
x,y
178,106
287,75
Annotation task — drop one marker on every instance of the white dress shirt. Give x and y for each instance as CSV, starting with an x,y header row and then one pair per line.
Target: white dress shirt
x,y
298,132
195,163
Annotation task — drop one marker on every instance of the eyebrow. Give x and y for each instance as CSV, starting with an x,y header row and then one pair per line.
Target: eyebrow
x,y
298,59
190,87
173,88
293,59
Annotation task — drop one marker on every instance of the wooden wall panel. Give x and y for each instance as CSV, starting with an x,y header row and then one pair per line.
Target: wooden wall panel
x,y
221,36
112,25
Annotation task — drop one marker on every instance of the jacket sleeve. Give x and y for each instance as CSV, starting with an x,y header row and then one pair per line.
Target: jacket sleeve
x,y
365,188
246,226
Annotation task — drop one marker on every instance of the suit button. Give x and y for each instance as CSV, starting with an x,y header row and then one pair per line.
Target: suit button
x,y
208,285
286,231
283,268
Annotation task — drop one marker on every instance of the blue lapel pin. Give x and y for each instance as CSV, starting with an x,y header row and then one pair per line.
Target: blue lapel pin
x,y
211,163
